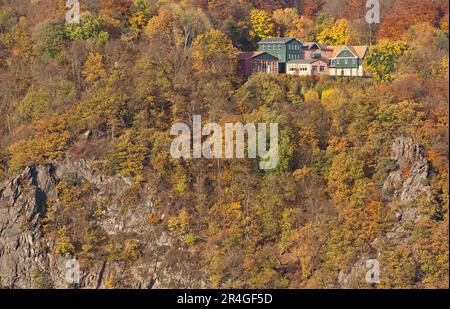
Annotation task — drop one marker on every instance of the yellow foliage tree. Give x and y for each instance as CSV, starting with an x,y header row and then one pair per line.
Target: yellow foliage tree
x,y
54,137
94,68
213,52
339,34
262,25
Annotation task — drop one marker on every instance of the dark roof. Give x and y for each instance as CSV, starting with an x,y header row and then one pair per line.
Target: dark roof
x,y
321,46
303,61
277,40
253,54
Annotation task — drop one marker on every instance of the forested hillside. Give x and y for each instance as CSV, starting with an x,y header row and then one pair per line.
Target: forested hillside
x,y
363,170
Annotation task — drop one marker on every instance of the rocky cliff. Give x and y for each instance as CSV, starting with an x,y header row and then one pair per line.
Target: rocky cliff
x,y
121,242
32,256
403,186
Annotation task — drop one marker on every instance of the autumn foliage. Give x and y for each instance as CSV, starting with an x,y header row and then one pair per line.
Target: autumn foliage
x,y
109,89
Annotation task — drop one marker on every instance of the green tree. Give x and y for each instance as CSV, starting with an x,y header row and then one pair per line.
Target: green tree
x,y
49,38
33,105
89,27
382,59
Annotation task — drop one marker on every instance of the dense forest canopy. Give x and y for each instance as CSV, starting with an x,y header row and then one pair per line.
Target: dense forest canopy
x,y
132,68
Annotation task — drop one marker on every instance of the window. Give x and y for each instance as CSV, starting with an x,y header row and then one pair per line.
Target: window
x,y
354,61
338,62
322,68
332,62
346,61
269,47
314,68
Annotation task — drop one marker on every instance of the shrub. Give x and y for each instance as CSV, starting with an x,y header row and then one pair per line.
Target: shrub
x,y
49,38
33,105
191,240
64,246
384,167
89,27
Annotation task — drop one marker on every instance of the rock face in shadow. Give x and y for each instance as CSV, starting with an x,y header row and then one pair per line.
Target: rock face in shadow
x,y
27,253
22,205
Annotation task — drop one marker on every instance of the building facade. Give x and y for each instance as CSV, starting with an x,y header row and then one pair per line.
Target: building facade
x,y
348,61
257,62
307,67
285,49
291,56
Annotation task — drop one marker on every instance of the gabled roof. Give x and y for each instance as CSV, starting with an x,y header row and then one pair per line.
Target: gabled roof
x,y
277,40
361,50
309,45
358,51
253,54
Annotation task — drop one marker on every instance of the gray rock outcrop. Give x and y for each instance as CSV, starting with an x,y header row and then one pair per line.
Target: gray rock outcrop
x,y
27,254
406,184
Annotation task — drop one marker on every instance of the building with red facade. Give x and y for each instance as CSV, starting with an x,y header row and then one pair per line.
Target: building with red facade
x,y
257,62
